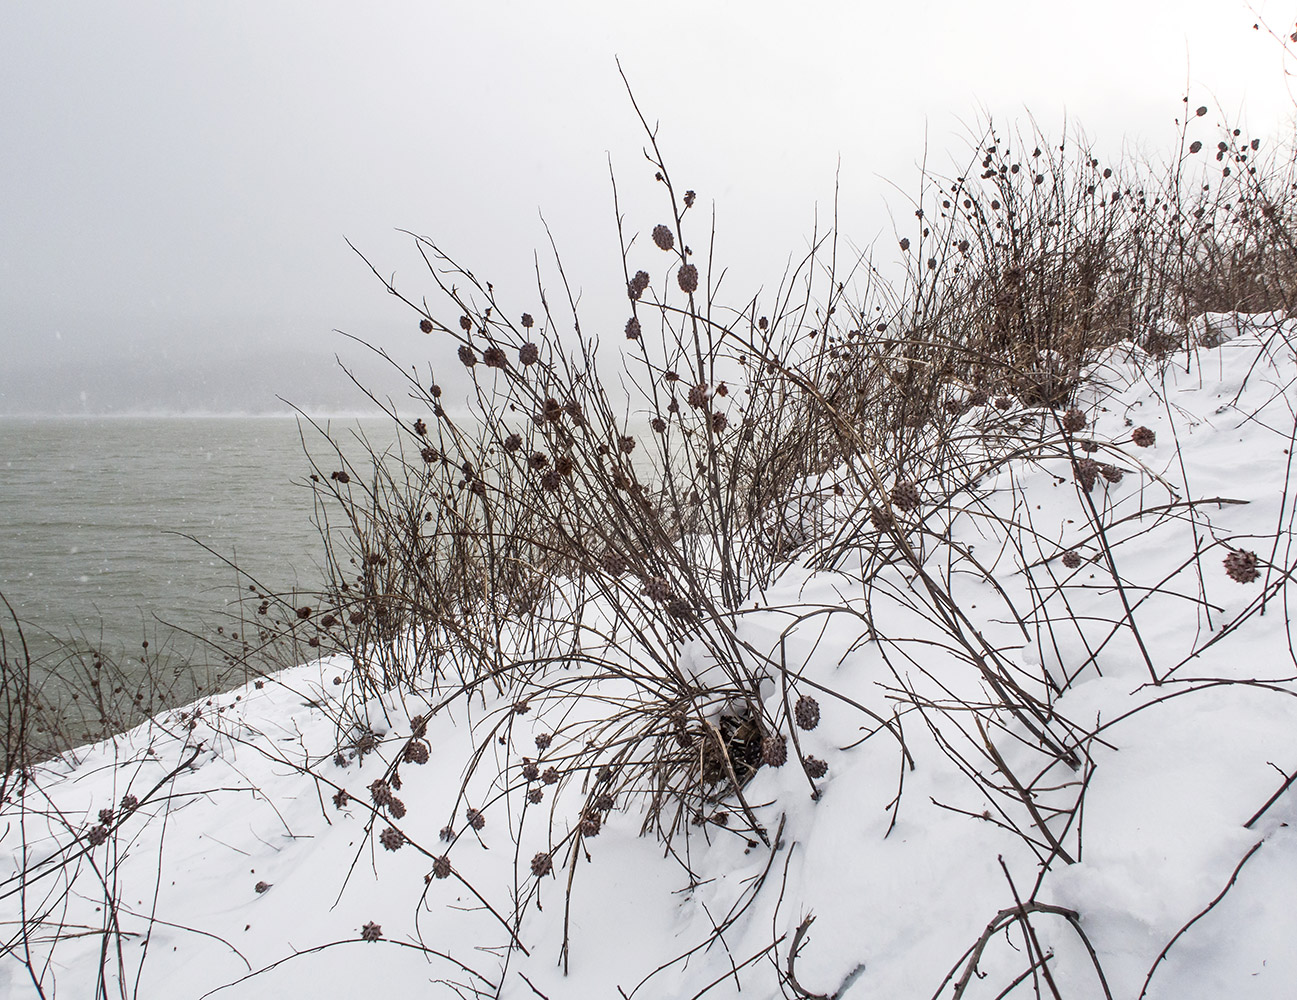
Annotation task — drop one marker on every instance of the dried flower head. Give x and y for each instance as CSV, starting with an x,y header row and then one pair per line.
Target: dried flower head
x,y
632,329
774,750
880,518
392,839
416,752
441,867
549,776
513,442
905,495
659,425
447,833
527,321
129,803
530,771
371,932
543,740
1073,421
425,325
699,396
541,865
719,422
535,796
467,355
626,444
528,353
465,323
551,481
396,807
657,588
537,460
341,798
420,428
664,238
1143,436
637,284
96,835
429,455
590,825
604,801
261,887
807,712
1110,473
494,357
687,278
612,563
815,767
690,195
1071,559
474,818
380,792
1085,471
1241,565
106,816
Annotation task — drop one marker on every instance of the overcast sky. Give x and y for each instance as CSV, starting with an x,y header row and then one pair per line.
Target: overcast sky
x,y
178,179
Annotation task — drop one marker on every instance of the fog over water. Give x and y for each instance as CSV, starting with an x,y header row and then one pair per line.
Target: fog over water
x,y
180,180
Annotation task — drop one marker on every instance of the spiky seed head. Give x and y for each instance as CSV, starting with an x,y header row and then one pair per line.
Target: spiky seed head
x,y
528,353
96,835
603,801
879,518
1110,473
612,563
447,833
1071,559
380,792
535,796
551,481
1073,421
541,865
494,357
465,323
392,839
129,803
475,818
543,740
690,195
815,767
590,825
425,325
416,752
530,771
807,712
905,495
396,807
1241,565
441,867
698,396
774,750
106,816
371,932
719,422
657,588
626,444
550,776
429,455
659,425
527,321
341,798
467,355
1085,471
513,442
637,284
632,329
537,460
664,238
1143,437
687,277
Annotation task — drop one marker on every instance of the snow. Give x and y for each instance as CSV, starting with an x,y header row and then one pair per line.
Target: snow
x,y
1185,730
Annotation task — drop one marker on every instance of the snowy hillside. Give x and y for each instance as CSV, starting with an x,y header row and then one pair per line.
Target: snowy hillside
x,y
1048,745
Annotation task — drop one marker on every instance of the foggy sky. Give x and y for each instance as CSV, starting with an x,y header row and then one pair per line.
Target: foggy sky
x,y
178,180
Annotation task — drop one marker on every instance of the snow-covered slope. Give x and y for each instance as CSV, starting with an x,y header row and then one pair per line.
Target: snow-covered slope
x,y
950,852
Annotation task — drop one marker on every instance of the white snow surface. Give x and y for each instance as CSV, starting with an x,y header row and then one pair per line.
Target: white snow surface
x,y
238,789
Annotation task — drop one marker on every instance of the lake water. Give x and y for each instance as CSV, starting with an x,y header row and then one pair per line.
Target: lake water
x,y
93,514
